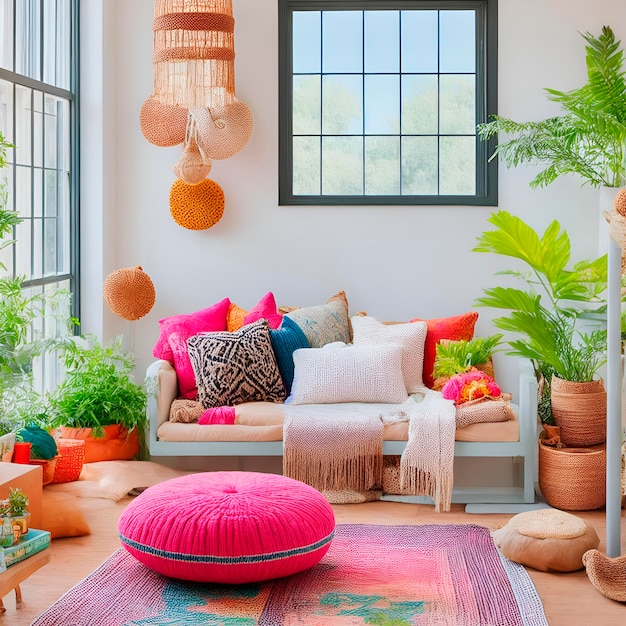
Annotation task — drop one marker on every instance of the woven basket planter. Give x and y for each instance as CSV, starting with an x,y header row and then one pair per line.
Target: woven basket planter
x,y
580,410
573,479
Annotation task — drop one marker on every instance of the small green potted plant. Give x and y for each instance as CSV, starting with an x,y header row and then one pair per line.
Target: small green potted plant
x,y
18,510
98,399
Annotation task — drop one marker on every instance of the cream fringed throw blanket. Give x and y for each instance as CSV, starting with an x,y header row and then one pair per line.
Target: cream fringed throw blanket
x,y
342,448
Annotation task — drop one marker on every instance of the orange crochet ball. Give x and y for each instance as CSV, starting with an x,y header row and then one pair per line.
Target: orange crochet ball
x,y
196,207
129,292
620,202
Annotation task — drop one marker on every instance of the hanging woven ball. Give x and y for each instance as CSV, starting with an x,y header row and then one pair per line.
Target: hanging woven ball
x,y
129,292
192,168
223,131
163,125
196,207
620,202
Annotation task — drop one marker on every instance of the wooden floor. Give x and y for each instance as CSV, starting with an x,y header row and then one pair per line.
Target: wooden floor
x,y
569,599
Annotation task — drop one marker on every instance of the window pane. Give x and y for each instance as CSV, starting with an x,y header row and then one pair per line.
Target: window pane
x,y
457,165
50,131
382,105
6,35
307,105
23,125
23,191
28,49
419,41
458,112
419,166
63,229
342,105
306,41
50,203
382,34
306,166
38,135
23,236
342,41
50,247
420,105
342,165
6,111
458,41
382,166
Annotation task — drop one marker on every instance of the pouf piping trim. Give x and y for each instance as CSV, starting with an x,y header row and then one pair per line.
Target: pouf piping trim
x,y
228,560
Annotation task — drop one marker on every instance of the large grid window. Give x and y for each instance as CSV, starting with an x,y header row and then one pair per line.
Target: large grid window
x,y
379,101
38,112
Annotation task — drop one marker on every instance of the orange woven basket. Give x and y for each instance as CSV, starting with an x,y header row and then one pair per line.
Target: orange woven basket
x,y
70,463
48,466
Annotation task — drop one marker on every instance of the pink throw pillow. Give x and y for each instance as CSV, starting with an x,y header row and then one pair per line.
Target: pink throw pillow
x,y
218,415
206,320
265,309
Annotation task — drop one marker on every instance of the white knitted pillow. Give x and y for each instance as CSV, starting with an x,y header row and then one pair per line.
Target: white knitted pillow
x,y
411,336
341,373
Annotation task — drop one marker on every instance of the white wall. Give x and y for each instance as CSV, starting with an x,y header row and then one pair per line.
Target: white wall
x,y
394,262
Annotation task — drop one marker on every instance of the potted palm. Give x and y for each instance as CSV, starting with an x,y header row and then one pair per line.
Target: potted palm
x,y
549,319
589,138
99,401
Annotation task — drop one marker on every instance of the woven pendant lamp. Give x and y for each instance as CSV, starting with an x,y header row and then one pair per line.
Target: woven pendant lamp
x,y
194,53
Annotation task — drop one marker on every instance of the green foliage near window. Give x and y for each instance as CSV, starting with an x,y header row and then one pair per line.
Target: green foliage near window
x,y
98,389
589,139
456,357
18,502
547,315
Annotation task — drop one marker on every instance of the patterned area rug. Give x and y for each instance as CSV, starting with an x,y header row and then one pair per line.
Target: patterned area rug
x,y
385,575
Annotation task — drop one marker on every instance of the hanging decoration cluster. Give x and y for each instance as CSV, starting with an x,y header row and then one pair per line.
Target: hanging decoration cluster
x,y
129,292
194,100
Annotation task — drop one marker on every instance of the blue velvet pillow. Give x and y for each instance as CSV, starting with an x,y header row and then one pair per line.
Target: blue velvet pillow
x,y
285,339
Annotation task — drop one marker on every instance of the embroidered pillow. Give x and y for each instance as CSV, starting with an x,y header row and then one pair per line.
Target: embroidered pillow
x,y
232,368
455,328
368,330
285,340
265,309
340,373
209,319
325,323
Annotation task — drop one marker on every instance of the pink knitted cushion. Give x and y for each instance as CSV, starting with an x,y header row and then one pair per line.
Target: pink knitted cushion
x,y
265,309
228,527
218,415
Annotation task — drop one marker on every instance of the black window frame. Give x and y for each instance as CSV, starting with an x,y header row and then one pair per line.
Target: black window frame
x,y
486,193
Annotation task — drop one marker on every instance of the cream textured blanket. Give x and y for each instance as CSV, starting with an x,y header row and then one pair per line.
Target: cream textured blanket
x,y
342,448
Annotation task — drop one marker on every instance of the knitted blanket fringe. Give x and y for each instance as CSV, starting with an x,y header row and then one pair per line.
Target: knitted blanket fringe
x,y
343,449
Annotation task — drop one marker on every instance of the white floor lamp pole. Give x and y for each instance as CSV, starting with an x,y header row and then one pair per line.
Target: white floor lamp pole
x,y
614,402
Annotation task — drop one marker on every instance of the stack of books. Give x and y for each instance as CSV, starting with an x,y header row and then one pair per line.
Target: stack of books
x,y
32,542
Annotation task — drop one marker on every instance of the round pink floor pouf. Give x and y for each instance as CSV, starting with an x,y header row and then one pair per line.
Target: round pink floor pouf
x,y
228,527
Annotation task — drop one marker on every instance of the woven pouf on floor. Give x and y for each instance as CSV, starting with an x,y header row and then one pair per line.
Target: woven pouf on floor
x,y
546,539
228,527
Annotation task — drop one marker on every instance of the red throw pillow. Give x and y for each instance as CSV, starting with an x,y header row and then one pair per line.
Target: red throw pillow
x,y
456,328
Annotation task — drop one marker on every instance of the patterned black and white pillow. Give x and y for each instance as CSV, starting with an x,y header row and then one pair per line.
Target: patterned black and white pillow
x,y
238,367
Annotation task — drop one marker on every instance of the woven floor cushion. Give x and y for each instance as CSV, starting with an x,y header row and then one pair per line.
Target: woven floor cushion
x,y
228,527
548,540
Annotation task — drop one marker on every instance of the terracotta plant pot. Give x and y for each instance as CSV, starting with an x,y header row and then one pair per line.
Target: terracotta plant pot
x,y
580,411
116,445
573,479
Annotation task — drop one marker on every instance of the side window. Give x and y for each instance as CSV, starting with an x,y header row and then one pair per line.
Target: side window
x,y
379,101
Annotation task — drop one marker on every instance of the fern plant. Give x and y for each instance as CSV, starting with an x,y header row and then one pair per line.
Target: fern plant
x,y
455,357
547,315
589,139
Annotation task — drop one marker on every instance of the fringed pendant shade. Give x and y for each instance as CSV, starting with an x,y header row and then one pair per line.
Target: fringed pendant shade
x,y
194,53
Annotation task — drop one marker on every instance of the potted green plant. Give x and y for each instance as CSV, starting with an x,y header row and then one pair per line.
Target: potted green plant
x,y
589,138
18,510
98,399
548,316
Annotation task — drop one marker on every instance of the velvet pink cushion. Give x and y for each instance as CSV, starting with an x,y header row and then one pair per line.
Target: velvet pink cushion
x,y
228,527
265,309
172,343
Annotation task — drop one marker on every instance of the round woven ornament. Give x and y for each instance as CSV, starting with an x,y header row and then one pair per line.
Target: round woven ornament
x,y
129,292
192,168
619,203
163,125
196,207
221,132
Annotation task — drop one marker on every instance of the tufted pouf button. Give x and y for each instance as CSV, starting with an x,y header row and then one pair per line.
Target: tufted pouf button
x,y
228,527
549,540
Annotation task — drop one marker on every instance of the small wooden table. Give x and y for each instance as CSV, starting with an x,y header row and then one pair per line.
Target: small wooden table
x,y
15,574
